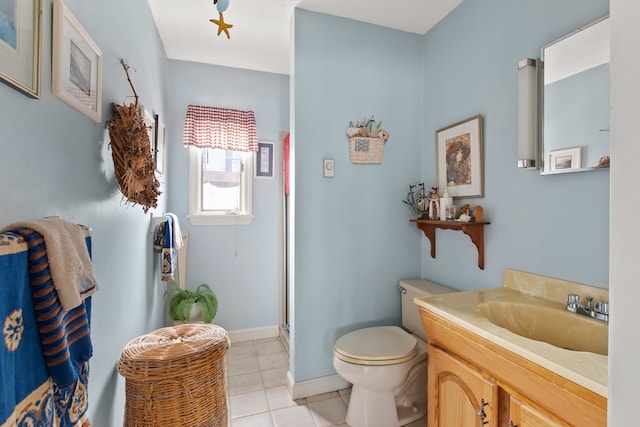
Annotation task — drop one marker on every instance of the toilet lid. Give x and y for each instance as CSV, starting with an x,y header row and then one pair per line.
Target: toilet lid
x,y
382,345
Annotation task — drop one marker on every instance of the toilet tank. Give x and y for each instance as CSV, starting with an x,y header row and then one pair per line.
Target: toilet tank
x,y
410,289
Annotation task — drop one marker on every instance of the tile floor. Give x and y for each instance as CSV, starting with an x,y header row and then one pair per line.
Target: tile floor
x,y
258,394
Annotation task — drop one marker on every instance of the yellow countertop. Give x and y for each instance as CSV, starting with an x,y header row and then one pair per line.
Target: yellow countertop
x,y
589,370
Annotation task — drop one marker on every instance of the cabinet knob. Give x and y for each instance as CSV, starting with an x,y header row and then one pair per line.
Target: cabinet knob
x,y
511,424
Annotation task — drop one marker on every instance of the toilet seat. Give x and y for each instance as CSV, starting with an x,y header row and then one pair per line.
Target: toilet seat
x,y
381,345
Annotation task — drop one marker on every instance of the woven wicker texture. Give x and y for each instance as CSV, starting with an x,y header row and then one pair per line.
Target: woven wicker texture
x,y
366,150
131,150
175,376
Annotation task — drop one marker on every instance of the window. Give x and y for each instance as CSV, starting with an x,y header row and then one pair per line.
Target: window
x,y
220,186
222,143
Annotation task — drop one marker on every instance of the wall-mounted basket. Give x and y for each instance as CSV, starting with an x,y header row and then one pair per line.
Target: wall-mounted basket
x,y
366,141
366,150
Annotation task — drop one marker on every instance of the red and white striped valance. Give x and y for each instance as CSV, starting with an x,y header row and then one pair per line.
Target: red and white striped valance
x,y
224,128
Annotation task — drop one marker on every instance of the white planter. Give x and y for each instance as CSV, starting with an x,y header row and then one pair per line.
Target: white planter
x,y
195,317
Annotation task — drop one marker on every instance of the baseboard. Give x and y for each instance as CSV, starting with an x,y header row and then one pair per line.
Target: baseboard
x,y
302,389
254,333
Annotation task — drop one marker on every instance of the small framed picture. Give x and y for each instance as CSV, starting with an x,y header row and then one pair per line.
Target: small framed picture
x,y
150,124
264,160
564,160
20,33
76,75
459,158
160,142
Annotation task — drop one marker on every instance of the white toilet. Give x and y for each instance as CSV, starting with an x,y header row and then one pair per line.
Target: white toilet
x,y
387,366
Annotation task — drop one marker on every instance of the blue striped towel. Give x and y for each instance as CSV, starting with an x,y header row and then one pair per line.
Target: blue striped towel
x,y
64,335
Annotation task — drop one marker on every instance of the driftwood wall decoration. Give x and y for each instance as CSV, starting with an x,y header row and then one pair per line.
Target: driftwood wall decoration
x,y
132,153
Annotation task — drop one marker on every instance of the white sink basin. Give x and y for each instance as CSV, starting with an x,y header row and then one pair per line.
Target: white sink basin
x,y
549,324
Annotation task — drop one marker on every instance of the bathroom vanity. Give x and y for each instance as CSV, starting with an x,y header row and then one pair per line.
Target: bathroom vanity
x,y
483,373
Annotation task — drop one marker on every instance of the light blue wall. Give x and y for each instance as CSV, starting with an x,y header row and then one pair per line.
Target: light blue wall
x,y
353,241
240,263
56,161
551,225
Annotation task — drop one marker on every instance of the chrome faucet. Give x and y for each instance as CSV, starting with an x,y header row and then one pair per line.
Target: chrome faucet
x,y
599,310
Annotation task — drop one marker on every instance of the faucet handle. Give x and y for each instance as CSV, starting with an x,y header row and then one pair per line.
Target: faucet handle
x,y
601,307
574,299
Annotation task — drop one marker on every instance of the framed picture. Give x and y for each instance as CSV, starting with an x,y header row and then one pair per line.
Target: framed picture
x,y
459,158
76,75
160,142
264,160
150,123
564,160
20,41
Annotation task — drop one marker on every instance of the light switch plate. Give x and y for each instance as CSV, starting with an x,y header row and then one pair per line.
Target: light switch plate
x,y
328,168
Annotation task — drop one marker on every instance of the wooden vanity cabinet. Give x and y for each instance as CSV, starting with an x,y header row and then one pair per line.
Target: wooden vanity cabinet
x,y
522,415
459,395
475,382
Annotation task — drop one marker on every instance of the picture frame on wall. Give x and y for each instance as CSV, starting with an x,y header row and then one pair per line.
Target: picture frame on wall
x,y
459,158
264,160
76,75
564,160
160,145
150,123
20,45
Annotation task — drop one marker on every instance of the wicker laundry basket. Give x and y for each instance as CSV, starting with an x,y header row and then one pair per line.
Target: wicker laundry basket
x,y
366,150
175,376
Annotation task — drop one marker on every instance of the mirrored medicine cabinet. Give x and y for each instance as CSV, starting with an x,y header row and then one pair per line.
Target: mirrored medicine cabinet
x,y
575,101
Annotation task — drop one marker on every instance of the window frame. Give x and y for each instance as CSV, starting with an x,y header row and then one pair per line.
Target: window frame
x,y
199,217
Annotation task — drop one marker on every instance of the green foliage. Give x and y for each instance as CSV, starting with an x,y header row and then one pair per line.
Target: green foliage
x,y
183,299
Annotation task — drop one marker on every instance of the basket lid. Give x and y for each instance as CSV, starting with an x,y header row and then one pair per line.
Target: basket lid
x,y
169,344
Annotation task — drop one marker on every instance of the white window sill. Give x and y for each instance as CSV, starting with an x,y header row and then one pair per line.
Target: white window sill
x,y
221,219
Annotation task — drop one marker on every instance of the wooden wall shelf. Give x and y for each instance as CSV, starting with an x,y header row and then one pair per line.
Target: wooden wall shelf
x,y
475,230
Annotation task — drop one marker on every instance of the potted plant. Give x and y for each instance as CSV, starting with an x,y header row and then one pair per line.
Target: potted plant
x,y
191,305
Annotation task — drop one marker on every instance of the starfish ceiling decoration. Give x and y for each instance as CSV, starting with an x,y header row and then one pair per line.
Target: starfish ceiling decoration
x,y
222,26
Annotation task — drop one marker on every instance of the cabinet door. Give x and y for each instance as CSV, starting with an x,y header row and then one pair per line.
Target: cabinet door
x,y
458,394
523,415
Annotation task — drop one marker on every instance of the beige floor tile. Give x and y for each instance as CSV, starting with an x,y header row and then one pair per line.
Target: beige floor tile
x,y
279,397
259,397
242,366
274,377
245,383
296,416
273,361
241,350
328,412
242,405
269,347
259,420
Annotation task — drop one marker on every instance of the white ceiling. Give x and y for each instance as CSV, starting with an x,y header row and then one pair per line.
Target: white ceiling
x,y
260,34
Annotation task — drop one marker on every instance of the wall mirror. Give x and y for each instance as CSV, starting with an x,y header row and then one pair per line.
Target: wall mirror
x,y
575,124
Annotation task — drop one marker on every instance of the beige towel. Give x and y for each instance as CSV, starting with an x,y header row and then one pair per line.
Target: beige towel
x,y
69,262
177,234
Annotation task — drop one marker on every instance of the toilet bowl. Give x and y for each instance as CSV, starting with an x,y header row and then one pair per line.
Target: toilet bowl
x,y
387,366
378,361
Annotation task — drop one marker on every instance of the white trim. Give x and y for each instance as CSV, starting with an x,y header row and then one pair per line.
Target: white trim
x,y
315,386
220,219
254,333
